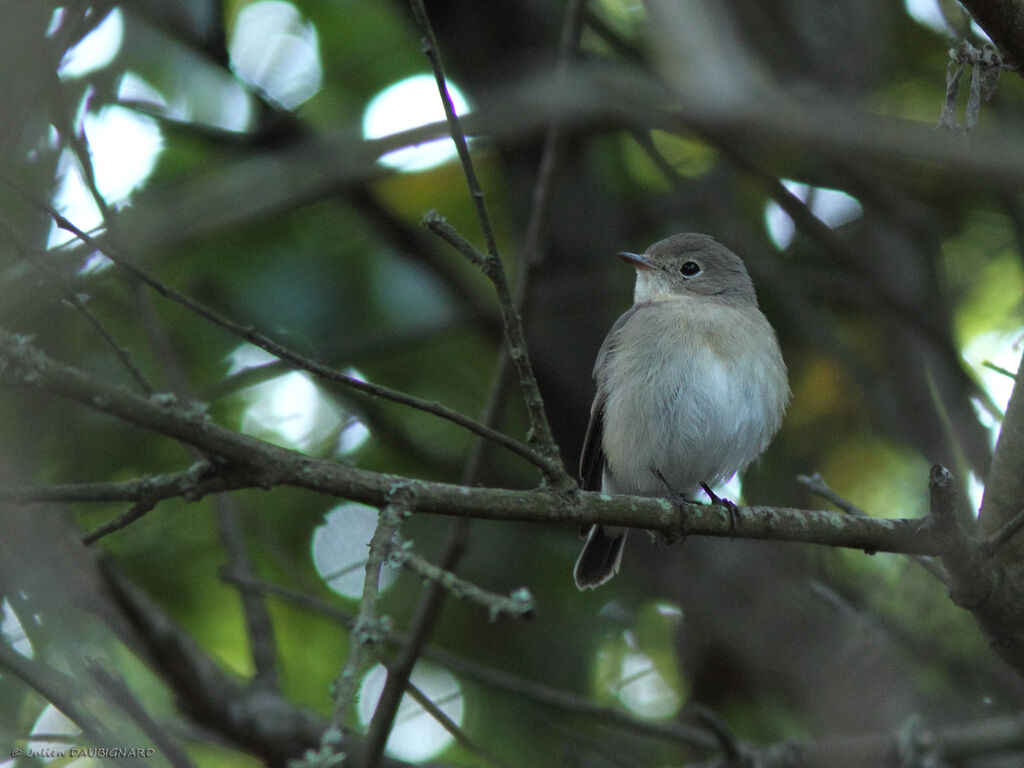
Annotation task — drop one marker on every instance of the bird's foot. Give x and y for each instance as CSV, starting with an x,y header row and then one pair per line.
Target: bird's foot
x,y
680,502
730,507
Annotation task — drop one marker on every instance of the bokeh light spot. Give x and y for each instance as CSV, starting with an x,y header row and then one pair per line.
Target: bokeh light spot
x,y
408,104
95,50
832,206
341,547
277,52
123,146
416,736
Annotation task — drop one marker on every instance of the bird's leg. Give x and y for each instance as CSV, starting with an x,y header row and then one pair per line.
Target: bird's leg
x,y
679,501
730,507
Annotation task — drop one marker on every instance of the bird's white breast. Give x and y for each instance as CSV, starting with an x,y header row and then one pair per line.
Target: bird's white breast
x,y
695,389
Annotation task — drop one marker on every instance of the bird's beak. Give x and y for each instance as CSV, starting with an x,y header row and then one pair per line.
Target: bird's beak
x,y
637,260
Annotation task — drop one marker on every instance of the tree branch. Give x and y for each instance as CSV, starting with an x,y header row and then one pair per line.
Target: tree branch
x,y
550,467
269,465
518,605
1003,21
1004,487
365,630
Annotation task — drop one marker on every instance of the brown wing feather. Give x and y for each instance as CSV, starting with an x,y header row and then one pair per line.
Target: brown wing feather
x,y
592,458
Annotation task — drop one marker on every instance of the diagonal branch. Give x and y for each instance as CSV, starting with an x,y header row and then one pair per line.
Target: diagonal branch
x,y
550,467
429,45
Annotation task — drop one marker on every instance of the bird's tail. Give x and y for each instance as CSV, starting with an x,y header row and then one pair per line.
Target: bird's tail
x,y
601,556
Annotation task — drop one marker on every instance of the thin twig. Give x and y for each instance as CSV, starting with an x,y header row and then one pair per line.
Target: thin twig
x,y
539,435
999,369
429,46
116,690
366,629
135,512
258,623
191,485
532,254
817,485
517,605
122,354
992,544
460,736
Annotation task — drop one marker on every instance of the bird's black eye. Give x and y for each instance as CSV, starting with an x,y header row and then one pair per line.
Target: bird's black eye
x,y
690,269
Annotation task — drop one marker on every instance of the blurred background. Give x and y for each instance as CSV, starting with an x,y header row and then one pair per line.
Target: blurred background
x,y
232,144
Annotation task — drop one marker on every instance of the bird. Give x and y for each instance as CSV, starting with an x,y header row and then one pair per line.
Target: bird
x,y
691,386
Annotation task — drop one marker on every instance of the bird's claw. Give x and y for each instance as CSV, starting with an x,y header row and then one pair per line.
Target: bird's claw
x,y
730,507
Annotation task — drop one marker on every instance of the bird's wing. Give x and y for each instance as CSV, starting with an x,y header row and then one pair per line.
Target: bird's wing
x,y
592,458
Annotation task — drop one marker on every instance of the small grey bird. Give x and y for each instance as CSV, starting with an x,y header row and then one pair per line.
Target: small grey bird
x,y
690,384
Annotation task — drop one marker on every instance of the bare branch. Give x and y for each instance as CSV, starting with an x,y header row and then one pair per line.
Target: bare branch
x,y
572,24
429,46
191,485
250,334
817,485
122,354
540,432
1004,486
992,544
137,511
452,727
518,605
270,465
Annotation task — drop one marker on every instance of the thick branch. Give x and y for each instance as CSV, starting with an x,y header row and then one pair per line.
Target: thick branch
x,y
270,465
1003,21
989,587
1004,487
21,363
